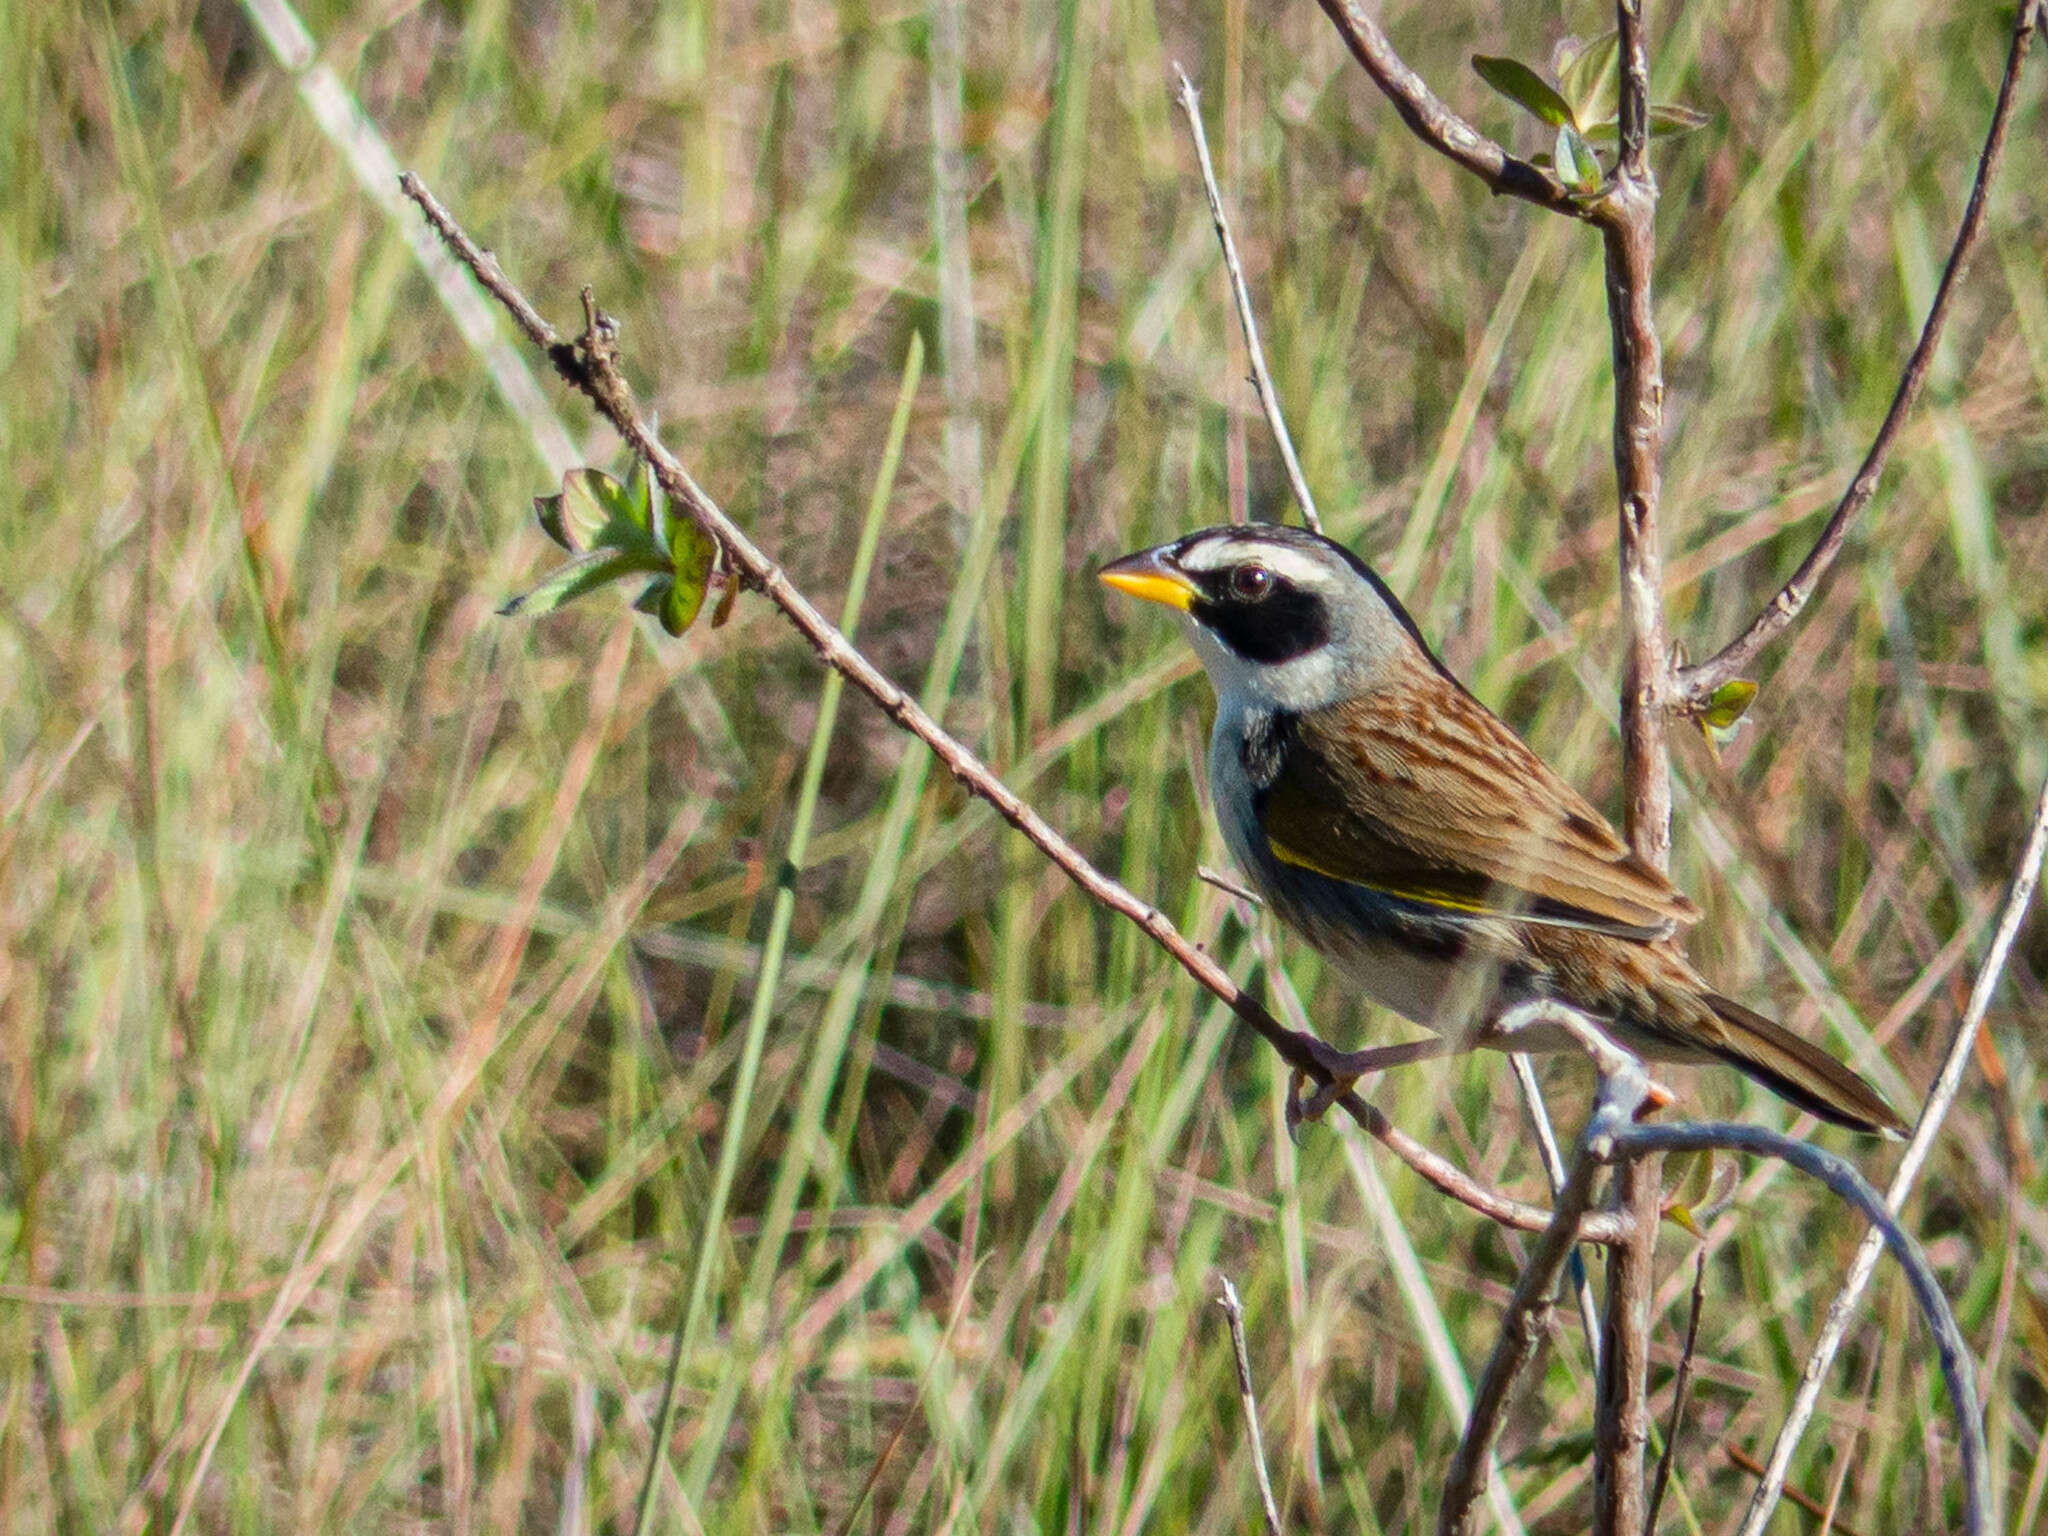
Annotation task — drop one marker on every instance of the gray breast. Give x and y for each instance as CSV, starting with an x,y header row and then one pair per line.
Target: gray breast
x,y
1402,955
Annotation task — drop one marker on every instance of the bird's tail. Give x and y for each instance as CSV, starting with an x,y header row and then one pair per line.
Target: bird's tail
x,y
1800,1071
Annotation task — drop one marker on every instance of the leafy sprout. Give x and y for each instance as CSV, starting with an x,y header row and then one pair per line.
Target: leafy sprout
x,y
618,532
1582,106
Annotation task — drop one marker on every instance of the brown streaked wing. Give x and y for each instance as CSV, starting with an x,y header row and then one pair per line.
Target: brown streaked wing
x,y
1425,793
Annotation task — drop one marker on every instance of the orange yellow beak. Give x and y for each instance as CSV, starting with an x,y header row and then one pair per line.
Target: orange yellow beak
x,y
1150,576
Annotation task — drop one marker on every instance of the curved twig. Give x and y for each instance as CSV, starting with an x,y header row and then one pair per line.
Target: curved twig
x,y
591,365
1696,685
1846,1183
2018,898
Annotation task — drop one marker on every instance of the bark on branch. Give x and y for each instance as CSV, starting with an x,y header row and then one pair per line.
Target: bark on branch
x,y
591,365
1436,124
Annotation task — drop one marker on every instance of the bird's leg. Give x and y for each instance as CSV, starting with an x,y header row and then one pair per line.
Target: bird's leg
x,y
1343,1069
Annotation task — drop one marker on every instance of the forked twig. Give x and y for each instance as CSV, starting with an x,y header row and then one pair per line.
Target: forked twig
x,y
1624,211
1262,380
1696,685
1436,124
1624,1087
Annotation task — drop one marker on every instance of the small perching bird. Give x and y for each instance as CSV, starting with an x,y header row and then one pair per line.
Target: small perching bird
x,y
1397,824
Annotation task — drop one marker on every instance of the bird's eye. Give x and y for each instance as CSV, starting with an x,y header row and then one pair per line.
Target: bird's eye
x,y
1251,582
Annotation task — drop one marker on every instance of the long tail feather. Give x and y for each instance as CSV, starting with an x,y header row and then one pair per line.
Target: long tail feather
x,y
1801,1072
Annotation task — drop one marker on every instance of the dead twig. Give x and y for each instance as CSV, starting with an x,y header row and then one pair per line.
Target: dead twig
x,y
1679,1389
1262,380
1233,1309
1624,1088
1806,1501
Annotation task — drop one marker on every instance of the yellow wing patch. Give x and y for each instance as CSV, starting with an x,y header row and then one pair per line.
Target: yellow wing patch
x,y
1403,891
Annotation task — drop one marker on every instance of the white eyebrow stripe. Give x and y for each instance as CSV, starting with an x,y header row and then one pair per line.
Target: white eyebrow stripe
x,y
1295,565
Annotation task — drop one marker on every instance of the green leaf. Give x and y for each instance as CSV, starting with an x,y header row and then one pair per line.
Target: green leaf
x,y
671,602
691,554
617,531
1669,117
586,573
554,522
592,510
1729,703
1577,166
638,507
1666,119
1586,74
686,591
1524,87
595,503
1690,1180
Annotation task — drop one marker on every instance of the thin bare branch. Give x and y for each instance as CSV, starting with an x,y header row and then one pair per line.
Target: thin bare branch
x,y
1555,1171
1630,243
1842,1179
1626,213
1522,1327
1233,1309
2019,897
1679,1389
1737,1456
1436,124
591,365
1624,1086
1635,90
1696,685
1262,380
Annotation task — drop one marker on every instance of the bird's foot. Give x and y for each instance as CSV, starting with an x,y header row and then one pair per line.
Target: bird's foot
x,y
1303,1110
1338,1072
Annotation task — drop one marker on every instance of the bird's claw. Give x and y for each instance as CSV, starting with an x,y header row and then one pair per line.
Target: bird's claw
x,y
1311,1108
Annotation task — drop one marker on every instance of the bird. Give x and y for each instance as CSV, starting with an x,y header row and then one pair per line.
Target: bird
x,y
1403,829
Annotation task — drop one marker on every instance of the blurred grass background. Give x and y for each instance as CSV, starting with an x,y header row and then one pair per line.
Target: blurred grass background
x,y
389,1073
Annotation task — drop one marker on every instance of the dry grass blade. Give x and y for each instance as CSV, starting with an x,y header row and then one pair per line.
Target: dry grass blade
x,y
1248,1397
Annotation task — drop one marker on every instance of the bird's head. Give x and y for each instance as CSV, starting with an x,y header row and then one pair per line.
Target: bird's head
x,y
1281,617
